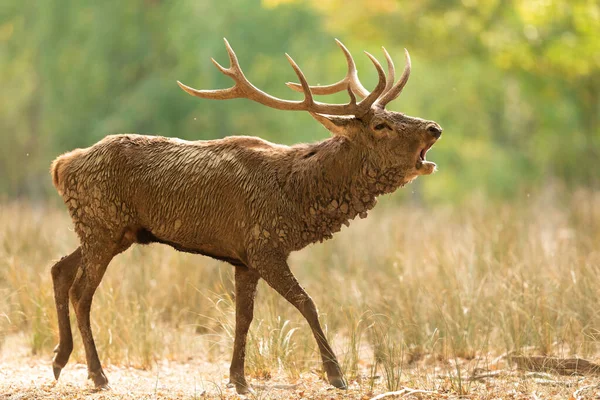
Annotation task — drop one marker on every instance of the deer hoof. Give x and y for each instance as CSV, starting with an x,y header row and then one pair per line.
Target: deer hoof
x,y
100,380
243,389
102,388
56,369
58,364
339,382
61,357
241,386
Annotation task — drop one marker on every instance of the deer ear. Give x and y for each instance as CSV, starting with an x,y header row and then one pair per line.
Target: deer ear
x,y
334,124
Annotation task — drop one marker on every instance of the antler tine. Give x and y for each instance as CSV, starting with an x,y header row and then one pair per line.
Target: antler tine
x,y
395,91
221,68
351,95
391,77
234,71
233,60
366,104
219,94
349,81
234,65
308,98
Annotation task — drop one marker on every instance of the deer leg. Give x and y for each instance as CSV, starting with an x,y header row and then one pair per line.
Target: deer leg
x,y
93,267
279,276
63,275
246,281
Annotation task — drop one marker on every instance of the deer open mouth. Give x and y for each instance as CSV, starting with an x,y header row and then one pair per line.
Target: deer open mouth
x,y
424,152
425,167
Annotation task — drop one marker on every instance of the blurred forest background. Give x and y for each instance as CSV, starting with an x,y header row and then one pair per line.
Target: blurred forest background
x,y
509,263
515,84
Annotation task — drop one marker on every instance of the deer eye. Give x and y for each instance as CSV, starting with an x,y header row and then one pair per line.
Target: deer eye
x,y
379,127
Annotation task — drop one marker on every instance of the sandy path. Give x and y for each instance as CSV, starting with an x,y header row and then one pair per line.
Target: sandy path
x,y
31,378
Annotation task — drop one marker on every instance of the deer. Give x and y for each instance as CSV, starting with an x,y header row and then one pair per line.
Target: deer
x,y
239,199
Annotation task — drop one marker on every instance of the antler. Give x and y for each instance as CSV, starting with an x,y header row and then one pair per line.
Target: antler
x,y
393,92
244,89
351,81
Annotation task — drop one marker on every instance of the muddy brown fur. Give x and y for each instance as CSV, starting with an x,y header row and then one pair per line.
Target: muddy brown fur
x,y
240,199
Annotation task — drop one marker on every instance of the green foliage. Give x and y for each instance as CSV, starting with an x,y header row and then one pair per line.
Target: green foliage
x,y
516,85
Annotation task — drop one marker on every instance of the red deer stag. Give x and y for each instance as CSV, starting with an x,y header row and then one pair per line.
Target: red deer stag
x,y
239,199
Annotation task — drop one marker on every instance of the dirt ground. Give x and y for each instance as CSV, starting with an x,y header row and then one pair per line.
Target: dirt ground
x,y
23,376
31,378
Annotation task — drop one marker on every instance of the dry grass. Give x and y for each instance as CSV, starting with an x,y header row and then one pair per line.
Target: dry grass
x,y
412,296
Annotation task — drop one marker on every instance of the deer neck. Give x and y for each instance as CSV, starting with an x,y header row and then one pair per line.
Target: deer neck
x,y
331,183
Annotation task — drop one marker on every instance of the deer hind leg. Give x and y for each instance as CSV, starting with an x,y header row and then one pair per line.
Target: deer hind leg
x,y
279,276
63,275
95,260
246,281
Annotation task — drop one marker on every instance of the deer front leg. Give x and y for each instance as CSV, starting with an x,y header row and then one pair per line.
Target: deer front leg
x,y
278,275
63,275
246,281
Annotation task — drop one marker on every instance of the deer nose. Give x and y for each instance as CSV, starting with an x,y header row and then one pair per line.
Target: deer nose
x,y
435,130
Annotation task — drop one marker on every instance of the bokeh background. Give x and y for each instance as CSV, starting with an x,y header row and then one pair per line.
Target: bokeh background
x,y
495,254
515,84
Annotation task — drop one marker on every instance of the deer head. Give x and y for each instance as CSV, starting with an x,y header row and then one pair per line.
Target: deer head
x,y
390,139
